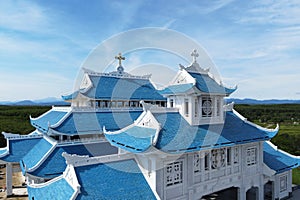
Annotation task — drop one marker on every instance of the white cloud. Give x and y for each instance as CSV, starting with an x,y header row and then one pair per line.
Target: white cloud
x,y
216,5
22,16
283,12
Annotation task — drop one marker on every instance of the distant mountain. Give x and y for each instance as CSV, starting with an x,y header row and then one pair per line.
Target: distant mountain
x,y
51,101
23,103
57,102
48,100
269,101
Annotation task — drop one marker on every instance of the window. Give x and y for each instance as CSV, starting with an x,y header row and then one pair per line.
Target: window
x,y
186,107
218,107
251,158
283,183
197,163
236,155
207,107
206,161
173,172
126,104
196,108
172,103
133,104
218,158
119,104
229,156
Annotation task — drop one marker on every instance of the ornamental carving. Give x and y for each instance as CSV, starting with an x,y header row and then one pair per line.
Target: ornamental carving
x,y
218,158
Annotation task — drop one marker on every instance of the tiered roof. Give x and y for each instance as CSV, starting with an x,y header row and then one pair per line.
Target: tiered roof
x,y
121,88
120,179
134,139
178,136
58,189
37,154
111,86
79,123
17,148
278,160
55,163
207,84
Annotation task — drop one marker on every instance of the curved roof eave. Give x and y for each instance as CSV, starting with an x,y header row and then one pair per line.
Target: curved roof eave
x,y
128,139
271,132
279,160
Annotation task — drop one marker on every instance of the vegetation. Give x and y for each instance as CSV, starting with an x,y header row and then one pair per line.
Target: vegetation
x,y
15,119
296,176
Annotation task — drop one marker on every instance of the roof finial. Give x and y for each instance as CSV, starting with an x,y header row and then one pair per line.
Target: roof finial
x,y
120,58
194,54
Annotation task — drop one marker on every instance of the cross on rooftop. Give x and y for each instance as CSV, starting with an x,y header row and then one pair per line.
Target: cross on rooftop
x,y
120,58
194,54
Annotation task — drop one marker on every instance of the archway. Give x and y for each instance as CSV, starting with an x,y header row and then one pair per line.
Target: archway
x,y
269,190
252,194
230,193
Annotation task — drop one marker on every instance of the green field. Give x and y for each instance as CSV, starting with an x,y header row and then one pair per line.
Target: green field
x,y
15,119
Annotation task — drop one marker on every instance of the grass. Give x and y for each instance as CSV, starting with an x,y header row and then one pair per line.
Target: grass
x,y
296,176
15,119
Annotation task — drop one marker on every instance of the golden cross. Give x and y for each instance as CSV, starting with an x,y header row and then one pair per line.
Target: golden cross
x,y
120,58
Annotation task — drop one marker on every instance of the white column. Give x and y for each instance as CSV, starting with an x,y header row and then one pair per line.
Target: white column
x,y
9,179
260,195
241,193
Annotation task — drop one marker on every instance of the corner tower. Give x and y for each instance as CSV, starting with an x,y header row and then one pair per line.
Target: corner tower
x,y
197,94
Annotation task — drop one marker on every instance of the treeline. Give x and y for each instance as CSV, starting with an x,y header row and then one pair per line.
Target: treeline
x,y
282,113
15,119
286,115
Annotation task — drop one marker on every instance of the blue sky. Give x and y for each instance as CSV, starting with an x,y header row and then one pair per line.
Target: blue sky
x,y
254,44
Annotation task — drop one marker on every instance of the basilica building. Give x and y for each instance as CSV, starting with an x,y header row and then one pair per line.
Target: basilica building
x,y
123,138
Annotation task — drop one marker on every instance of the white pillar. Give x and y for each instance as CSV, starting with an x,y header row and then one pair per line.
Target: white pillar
x,y
241,193
9,179
261,194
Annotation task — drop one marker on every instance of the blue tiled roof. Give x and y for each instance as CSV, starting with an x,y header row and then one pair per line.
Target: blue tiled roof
x,y
55,164
208,85
58,190
175,89
178,136
70,96
89,122
135,139
36,153
3,151
117,180
49,118
279,161
18,148
105,87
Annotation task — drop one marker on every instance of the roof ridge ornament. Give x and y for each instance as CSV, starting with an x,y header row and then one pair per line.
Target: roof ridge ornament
x,y
120,68
195,54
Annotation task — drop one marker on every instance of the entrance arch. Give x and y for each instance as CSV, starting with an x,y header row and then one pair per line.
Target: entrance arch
x,y
252,194
230,193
